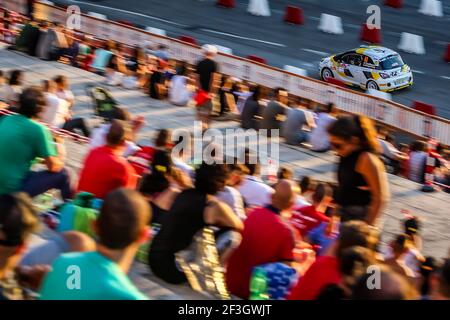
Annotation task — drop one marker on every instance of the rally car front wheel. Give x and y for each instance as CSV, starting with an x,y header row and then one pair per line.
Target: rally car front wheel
x,y
372,85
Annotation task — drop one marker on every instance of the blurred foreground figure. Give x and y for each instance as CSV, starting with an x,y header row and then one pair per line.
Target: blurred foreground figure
x,y
18,220
266,238
121,228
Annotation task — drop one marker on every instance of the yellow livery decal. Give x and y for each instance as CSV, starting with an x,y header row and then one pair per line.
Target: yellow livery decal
x,y
375,75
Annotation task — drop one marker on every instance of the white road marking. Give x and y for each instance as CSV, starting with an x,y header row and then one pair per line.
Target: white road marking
x,y
352,26
392,33
244,38
131,12
445,77
320,53
418,71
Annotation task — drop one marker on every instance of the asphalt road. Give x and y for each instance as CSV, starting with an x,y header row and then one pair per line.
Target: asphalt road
x,y
301,46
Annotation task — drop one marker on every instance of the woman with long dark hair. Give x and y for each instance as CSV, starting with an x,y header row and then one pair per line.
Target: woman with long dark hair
x,y
191,211
163,185
362,182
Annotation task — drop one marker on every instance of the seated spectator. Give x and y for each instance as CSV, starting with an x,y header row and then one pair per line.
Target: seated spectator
x,y
122,228
105,169
273,114
411,259
163,185
57,112
12,91
18,220
297,120
241,92
285,174
70,52
254,191
307,189
63,90
353,264
417,161
98,135
226,97
427,272
157,81
304,219
162,52
132,66
46,39
390,155
180,92
318,137
192,210
115,68
265,239
60,44
181,158
230,195
441,282
2,89
53,244
251,112
396,261
392,286
101,59
325,270
23,140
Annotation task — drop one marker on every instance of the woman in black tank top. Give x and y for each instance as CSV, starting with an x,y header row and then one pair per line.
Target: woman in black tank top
x,y
185,219
362,182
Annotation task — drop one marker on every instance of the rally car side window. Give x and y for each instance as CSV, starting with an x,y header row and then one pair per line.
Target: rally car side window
x,y
368,63
353,59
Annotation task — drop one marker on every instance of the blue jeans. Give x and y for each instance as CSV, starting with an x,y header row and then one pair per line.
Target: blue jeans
x,y
39,182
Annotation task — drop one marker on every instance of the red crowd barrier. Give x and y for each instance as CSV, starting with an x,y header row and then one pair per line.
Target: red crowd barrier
x,y
294,15
225,3
370,35
424,107
257,59
394,3
188,39
447,53
125,22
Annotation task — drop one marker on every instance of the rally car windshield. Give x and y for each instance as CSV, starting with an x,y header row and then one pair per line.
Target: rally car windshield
x,y
391,62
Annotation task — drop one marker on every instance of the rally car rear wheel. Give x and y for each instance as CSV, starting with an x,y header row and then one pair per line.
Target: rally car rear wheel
x,y
372,85
326,74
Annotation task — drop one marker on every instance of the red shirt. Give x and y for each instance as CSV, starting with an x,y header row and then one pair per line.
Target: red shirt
x,y
104,171
307,218
265,239
324,271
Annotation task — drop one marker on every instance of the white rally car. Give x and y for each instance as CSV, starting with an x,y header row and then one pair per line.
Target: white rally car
x,y
368,67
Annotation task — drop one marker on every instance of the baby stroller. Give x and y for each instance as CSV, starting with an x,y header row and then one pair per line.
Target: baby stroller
x,y
104,102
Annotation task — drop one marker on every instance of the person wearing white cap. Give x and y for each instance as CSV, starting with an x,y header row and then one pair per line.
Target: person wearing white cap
x,y
207,80
259,8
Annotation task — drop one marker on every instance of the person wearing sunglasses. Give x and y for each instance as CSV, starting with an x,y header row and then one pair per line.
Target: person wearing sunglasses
x,y
363,188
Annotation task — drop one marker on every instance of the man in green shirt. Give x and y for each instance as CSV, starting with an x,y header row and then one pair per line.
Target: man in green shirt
x,y
22,140
122,227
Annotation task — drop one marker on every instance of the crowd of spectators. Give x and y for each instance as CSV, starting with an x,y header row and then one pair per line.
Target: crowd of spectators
x,y
328,233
